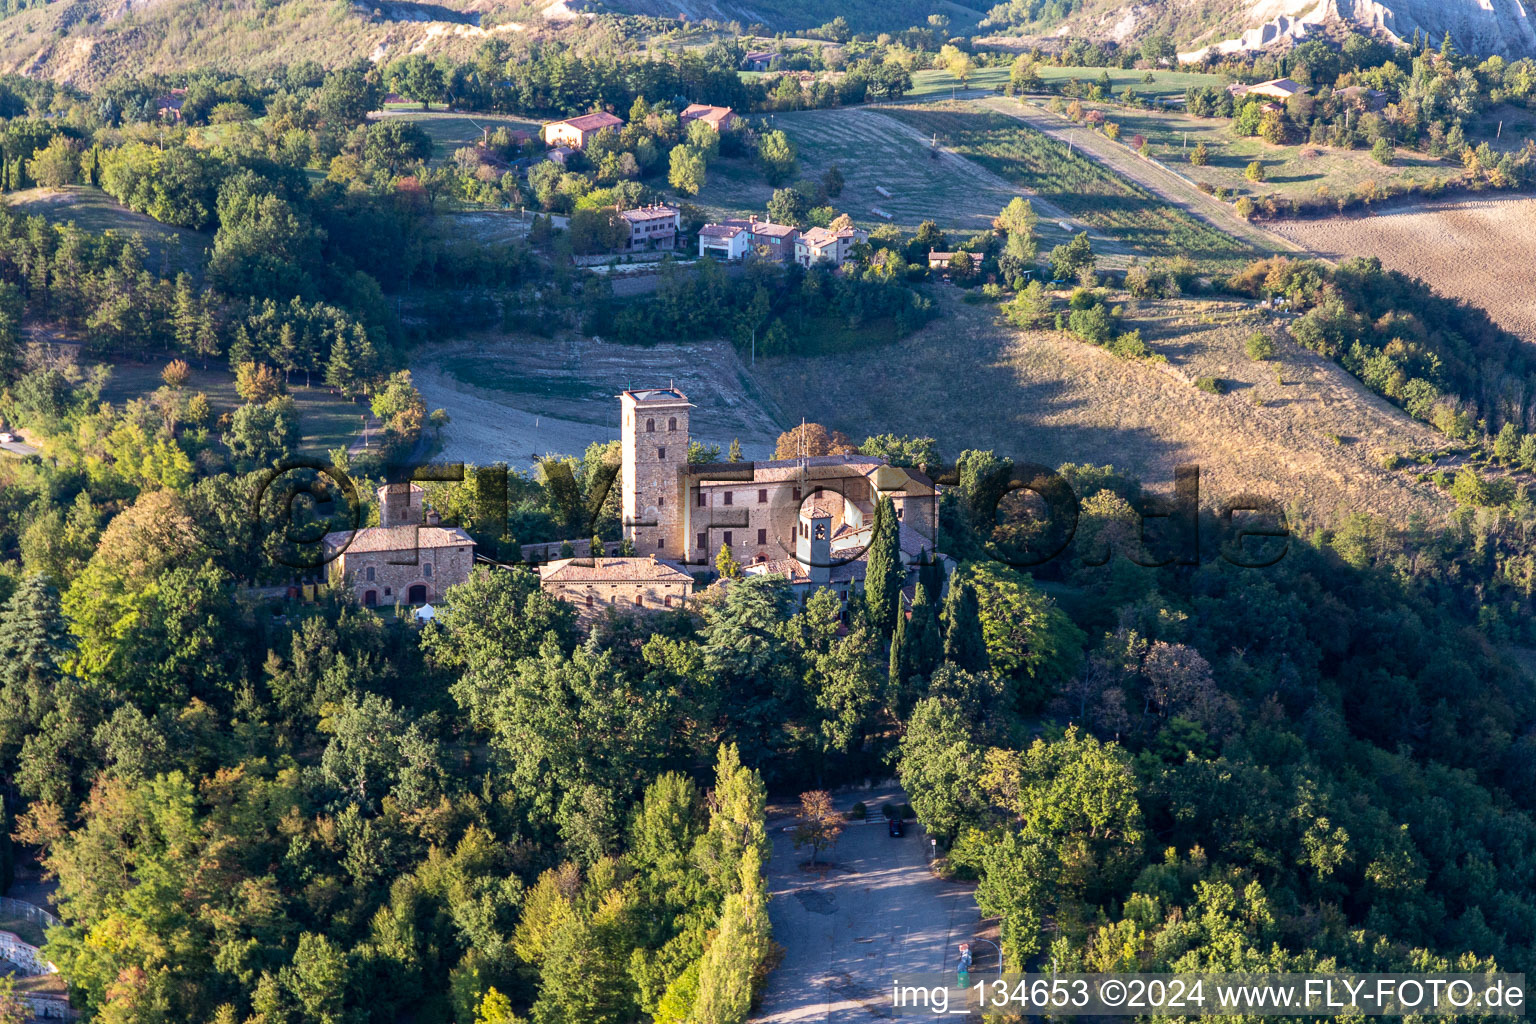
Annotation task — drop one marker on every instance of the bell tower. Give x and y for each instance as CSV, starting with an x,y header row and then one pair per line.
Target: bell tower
x,y
654,444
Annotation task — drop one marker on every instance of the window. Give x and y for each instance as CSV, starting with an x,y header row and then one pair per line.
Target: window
x,y
661,453
762,536
703,499
650,426
661,499
703,540
387,592
667,600
796,494
727,538
637,600
426,569
762,495
729,496
661,542
368,573
672,423
589,600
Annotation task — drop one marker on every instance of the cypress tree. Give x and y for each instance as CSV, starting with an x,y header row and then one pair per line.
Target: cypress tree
x,y
884,576
963,643
901,662
925,647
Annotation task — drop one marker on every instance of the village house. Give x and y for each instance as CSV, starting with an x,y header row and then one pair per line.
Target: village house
x,y
724,241
407,559
651,228
759,60
168,106
1274,89
560,154
733,238
718,118
593,584
823,245
576,132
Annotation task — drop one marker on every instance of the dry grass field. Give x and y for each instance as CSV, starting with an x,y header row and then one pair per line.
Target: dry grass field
x,y
971,381
1481,250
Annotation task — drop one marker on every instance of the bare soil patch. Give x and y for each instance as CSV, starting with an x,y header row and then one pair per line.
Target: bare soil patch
x,y
1480,250
513,399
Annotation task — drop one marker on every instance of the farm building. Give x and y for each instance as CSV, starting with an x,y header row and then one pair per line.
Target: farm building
x,y
560,154
758,60
651,227
576,132
823,245
718,118
1274,89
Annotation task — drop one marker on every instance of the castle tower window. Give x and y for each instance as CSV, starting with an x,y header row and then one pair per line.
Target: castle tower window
x,y
661,453
796,494
672,423
703,540
426,569
589,600
762,536
661,542
762,495
650,426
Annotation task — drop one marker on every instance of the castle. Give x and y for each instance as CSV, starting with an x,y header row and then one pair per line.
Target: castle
x,y
807,519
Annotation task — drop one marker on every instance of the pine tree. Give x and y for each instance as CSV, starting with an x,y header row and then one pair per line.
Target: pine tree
x,y
240,349
963,643
735,452
339,371
184,315
884,576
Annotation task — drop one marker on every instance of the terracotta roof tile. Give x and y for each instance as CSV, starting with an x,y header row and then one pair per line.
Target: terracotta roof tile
x,y
396,538
613,570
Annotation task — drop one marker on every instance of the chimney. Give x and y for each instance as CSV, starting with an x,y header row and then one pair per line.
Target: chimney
x,y
752,219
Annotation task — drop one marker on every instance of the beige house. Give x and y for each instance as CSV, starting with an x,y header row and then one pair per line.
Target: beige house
x,y
593,584
576,132
823,245
407,559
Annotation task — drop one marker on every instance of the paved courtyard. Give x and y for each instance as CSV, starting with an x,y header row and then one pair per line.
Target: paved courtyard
x,y
849,928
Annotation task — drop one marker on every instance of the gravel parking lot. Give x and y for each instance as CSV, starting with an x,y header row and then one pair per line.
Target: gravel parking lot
x,y
848,927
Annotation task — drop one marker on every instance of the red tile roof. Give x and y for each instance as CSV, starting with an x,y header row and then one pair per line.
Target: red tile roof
x,y
613,570
395,538
592,122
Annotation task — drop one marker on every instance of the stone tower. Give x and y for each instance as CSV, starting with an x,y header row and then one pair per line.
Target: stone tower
x,y
813,541
400,504
655,450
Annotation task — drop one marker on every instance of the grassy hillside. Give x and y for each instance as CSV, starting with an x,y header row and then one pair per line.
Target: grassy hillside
x,y
788,15
93,210
87,42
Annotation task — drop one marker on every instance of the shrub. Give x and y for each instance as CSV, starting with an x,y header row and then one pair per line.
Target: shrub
x,y
1259,346
1201,155
1245,208
1254,171
887,810
1391,461
1214,385
1382,152
859,811
1130,346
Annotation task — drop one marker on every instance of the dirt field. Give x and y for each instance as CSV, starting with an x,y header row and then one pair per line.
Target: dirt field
x,y
972,382
1481,250
512,400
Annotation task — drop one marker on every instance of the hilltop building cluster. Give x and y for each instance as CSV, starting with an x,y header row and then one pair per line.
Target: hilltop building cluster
x,y
809,520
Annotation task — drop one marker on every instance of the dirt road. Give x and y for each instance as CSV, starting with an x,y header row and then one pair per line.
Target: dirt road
x,y
1146,173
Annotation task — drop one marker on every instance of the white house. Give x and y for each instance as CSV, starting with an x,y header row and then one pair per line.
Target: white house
x,y
724,241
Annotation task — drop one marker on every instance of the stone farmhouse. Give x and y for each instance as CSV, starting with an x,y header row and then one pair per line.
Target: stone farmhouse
x,y
733,239
823,245
407,559
592,584
576,132
718,118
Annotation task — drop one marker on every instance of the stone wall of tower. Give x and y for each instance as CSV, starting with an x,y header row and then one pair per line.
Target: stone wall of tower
x,y
654,445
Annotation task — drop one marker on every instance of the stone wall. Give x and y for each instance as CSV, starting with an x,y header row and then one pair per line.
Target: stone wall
x,y
436,570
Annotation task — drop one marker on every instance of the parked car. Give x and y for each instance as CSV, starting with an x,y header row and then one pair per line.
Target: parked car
x,y
898,827
7,438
